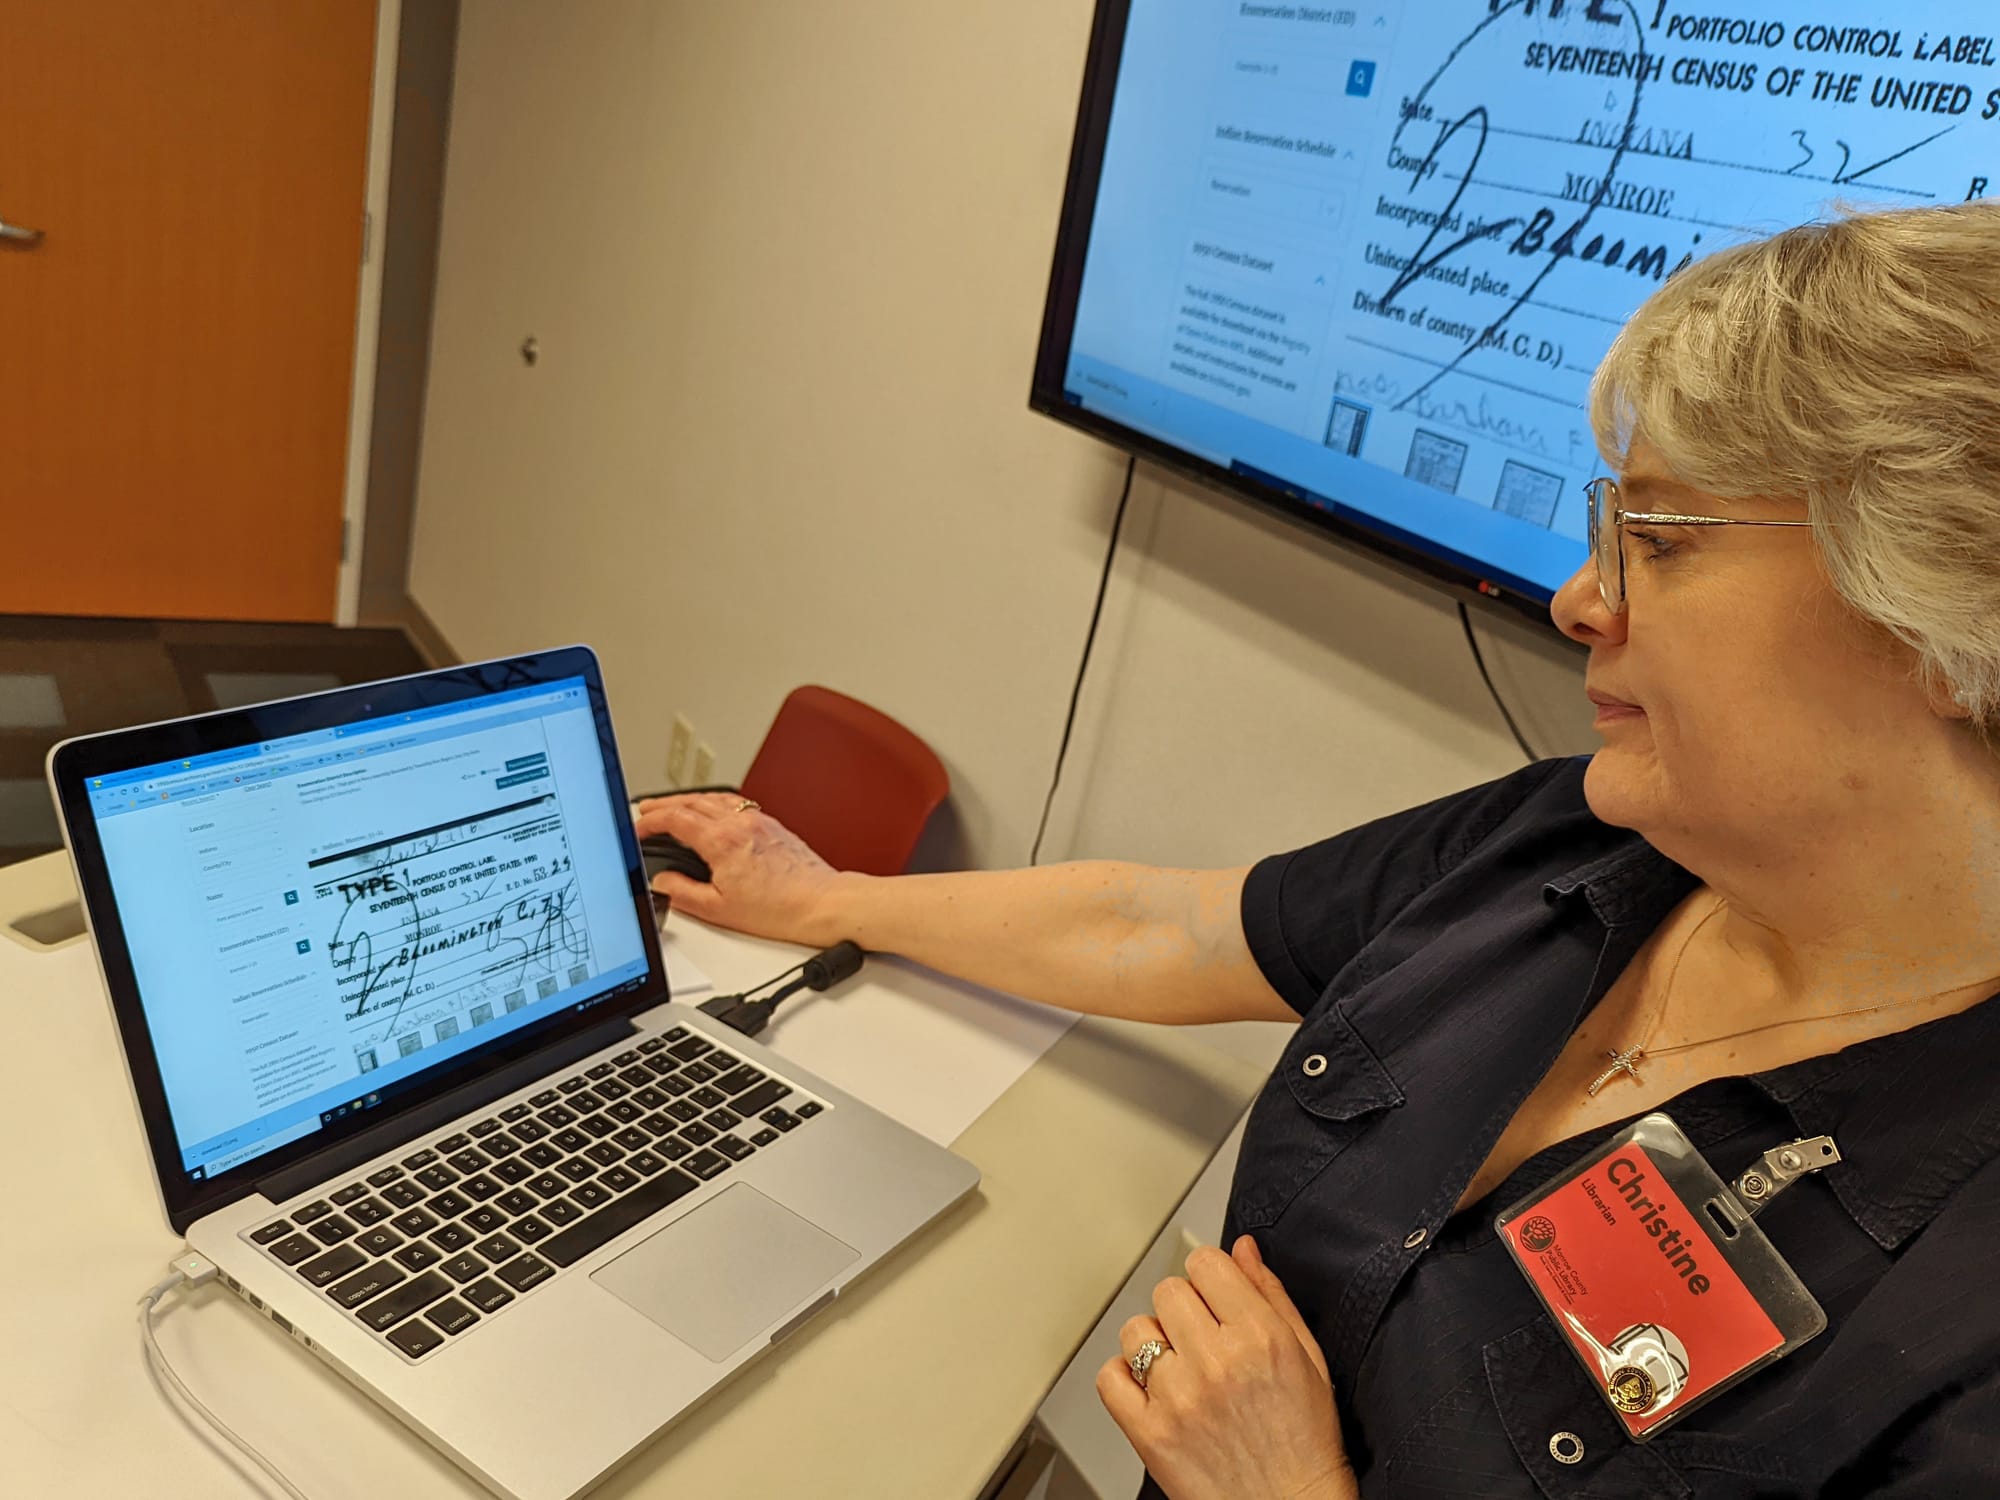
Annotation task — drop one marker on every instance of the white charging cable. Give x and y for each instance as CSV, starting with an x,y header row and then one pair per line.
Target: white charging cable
x,y
192,1270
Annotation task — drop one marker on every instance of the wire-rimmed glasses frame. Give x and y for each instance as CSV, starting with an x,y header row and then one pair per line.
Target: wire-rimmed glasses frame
x,y
1606,521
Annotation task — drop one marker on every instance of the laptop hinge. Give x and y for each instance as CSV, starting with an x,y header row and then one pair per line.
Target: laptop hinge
x,y
409,1124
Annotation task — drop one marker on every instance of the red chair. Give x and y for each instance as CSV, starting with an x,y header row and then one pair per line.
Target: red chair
x,y
848,779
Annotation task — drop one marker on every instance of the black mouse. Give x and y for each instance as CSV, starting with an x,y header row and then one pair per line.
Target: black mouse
x,y
665,852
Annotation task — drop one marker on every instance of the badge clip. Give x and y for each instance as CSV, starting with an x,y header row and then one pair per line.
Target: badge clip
x,y
1780,1167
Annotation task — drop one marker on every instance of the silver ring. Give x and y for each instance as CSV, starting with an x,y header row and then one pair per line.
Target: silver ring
x,y
1141,1362
744,804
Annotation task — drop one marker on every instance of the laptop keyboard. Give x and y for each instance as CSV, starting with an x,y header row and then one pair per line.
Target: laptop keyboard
x,y
424,1249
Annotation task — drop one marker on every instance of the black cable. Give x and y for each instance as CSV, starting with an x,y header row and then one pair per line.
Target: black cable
x,y
1465,619
1089,640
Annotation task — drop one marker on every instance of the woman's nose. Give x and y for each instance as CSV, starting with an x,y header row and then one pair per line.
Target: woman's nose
x,y
1580,612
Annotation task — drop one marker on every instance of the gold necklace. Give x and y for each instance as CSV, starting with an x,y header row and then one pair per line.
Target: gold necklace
x,y
1622,1062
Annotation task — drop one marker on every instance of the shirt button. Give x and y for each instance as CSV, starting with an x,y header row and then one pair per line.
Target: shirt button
x,y
1415,1238
1566,1448
1315,1065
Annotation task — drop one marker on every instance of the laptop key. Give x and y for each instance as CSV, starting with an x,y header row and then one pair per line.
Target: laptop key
x,y
733,1148
683,1111
597,1127
649,1098
484,1219
415,1222
333,1265
544,1155
571,1085
707,1097
502,1145
487,1295
762,1097
369,1211
271,1232
610,1089
624,1111
453,1143
484,1128
585,1102
404,1194
416,1256
422,1159
437,1178
689,1050
577,1168
496,1248
673,1148
464,1267
386,1311
589,1196
697,1135
468,1162
519,1201
810,1108
513,1173
452,1315
560,1211
764,1137
605,1154
699,1073
449,1205
529,1229
378,1241
295,1249
625,1059
452,1237
480,1188
331,1231
570,1140
384,1177
639,1078
674,1084
598,1070
515,1112
548,1185
632,1138
362,1285
572,1244
736,1080
781,1119
542,1100
417,1338
557,1115
720,1119
619,1178
655,1043
349,1193
528,1130
526,1271
311,1211
707,1164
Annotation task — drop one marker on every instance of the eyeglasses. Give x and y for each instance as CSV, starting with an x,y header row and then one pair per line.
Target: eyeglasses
x,y
1607,535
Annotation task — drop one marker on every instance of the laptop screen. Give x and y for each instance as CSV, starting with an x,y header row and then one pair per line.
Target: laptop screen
x,y
318,922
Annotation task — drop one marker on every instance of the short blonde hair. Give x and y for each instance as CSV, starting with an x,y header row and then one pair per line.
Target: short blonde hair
x,y
1854,364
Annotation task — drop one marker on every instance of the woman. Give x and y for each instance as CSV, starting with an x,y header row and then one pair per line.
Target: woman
x,y
1769,905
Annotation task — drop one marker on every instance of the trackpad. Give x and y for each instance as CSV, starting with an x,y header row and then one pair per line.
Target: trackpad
x,y
726,1271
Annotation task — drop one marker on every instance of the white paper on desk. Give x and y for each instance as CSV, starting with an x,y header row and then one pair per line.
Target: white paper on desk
x,y
928,1051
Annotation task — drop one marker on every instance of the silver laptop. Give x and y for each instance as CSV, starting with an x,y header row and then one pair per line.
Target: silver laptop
x,y
390,991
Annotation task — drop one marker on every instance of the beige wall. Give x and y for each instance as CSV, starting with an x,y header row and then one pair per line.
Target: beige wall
x,y
785,266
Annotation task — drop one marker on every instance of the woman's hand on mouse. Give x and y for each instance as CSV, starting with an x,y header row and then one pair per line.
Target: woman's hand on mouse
x,y
1240,1403
763,880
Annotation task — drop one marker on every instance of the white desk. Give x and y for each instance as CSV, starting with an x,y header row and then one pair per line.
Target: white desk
x,y
916,1383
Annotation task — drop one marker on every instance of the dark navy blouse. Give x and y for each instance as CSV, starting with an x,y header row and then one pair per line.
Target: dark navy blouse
x,y
1440,959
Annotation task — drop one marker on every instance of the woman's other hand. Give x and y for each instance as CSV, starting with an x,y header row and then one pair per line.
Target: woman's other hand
x,y
763,880
1241,1403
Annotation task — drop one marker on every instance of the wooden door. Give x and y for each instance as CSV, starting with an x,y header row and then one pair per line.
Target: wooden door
x,y
176,353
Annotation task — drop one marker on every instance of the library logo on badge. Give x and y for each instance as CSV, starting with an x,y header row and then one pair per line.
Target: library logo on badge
x,y
1538,1234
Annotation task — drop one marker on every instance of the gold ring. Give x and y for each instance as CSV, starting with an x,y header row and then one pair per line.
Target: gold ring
x,y
744,804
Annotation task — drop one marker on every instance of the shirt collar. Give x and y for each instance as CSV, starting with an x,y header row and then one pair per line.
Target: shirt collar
x,y
1913,1113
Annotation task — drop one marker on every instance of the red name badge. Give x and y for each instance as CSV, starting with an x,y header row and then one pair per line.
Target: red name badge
x,y
1651,1295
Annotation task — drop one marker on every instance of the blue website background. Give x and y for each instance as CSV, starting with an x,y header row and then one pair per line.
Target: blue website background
x,y
1374,253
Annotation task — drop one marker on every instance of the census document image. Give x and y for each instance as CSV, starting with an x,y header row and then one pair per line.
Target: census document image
x,y
1375,252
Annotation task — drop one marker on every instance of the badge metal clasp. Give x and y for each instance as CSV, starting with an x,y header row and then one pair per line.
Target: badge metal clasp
x,y
1780,1167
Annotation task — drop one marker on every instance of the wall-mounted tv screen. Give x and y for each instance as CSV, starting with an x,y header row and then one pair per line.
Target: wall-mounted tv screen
x,y
1358,261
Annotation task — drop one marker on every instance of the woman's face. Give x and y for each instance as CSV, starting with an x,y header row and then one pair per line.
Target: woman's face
x,y
1754,698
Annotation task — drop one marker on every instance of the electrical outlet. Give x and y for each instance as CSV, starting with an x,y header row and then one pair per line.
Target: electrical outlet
x,y
704,766
679,746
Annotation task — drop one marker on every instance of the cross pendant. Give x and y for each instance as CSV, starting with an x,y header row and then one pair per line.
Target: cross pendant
x,y
1621,1062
